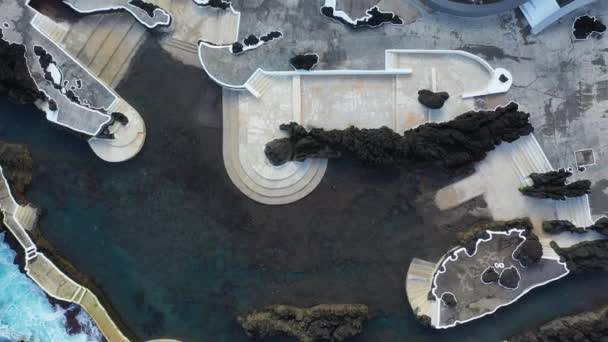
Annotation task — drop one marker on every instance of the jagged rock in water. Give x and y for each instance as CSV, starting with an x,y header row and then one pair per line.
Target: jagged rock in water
x,y
251,40
15,79
560,226
432,100
449,299
600,226
455,145
529,252
305,62
490,275
509,278
327,322
552,185
424,320
584,26
587,256
469,238
590,326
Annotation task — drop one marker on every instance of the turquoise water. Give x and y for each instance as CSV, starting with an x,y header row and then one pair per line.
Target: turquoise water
x,y
25,312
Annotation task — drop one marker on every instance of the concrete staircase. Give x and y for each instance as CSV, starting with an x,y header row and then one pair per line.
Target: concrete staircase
x,y
548,251
55,31
418,284
181,45
27,216
528,158
259,83
105,44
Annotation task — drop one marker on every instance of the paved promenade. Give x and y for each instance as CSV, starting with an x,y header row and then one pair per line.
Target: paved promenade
x,y
44,273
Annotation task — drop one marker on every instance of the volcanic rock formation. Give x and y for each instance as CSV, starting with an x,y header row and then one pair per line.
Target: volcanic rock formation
x,y
585,26
220,4
587,256
529,252
509,278
552,185
327,322
454,145
432,100
449,299
15,79
374,17
560,226
588,326
469,238
304,62
489,275
17,164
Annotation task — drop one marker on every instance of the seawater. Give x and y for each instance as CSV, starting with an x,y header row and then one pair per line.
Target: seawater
x,y
25,312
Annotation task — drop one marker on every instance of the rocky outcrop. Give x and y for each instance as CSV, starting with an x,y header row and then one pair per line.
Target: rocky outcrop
x,y
469,238
15,79
148,7
489,275
374,17
327,322
588,256
552,185
509,278
585,26
253,42
449,299
220,4
560,226
17,164
591,326
304,62
529,252
454,145
432,100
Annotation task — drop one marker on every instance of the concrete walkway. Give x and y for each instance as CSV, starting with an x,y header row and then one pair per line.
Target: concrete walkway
x,y
44,273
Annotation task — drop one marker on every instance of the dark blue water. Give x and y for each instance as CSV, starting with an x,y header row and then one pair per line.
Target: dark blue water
x,y
181,252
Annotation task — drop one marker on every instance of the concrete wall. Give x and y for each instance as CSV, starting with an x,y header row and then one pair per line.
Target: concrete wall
x,y
470,10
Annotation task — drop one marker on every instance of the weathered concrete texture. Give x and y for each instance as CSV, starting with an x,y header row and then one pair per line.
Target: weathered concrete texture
x,y
461,275
145,12
563,83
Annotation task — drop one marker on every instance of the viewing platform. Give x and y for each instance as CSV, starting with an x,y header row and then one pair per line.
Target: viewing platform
x,y
337,99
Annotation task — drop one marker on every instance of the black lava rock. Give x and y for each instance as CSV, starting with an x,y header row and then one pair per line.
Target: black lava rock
x,y
237,48
374,18
148,7
279,151
588,256
432,100
220,4
509,278
529,252
490,275
455,145
15,79
449,299
503,78
584,26
552,185
304,62
560,226
251,40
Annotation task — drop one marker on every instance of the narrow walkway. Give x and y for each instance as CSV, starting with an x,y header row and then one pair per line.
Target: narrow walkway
x,y
44,273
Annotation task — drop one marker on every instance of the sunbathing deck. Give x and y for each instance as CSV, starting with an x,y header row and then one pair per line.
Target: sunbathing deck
x,y
89,112
336,99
